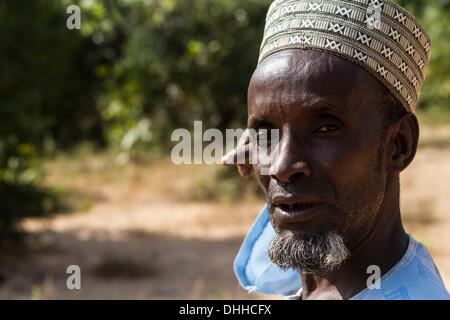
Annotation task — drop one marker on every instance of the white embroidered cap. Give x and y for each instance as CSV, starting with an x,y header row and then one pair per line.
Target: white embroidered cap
x,y
378,35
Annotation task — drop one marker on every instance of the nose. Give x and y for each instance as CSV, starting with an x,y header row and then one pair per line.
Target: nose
x,y
288,162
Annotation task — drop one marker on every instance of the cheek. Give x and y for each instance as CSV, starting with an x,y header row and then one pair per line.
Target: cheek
x,y
348,162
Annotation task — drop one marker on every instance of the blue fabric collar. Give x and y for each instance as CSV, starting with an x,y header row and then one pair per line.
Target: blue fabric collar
x,y
253,267
415,276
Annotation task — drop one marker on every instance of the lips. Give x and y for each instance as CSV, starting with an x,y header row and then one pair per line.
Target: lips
x,y
294,210
298,206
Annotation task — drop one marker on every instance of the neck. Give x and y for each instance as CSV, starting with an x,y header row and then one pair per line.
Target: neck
x,y
383,246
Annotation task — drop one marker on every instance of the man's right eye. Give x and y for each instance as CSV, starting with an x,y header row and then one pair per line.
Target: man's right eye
x,y
327,129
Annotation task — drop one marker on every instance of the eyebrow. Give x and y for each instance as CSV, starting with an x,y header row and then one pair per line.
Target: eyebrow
x,y
330,109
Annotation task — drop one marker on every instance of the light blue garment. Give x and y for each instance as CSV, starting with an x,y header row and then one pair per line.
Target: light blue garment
x,y
414,277
254,269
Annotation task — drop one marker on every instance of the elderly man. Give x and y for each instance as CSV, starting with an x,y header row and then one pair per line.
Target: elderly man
x,y
340,80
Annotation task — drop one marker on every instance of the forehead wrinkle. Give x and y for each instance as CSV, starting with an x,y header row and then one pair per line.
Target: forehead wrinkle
x,y
283,98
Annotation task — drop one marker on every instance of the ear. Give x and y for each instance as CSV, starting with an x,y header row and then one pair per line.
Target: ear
x,y
403,140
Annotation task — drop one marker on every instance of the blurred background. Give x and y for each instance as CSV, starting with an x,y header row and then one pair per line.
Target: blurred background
x,y
85,123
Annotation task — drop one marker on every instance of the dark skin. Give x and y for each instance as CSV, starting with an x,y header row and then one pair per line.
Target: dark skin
x,y
325,108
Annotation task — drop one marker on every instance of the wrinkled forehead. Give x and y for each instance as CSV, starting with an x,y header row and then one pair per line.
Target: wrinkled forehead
x,y
304,75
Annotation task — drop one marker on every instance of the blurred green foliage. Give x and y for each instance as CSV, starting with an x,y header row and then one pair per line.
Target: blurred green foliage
x,y
435,17
135,71
180,61
47,101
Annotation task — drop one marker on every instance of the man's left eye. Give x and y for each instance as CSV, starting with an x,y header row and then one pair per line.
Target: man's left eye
x,y
328,129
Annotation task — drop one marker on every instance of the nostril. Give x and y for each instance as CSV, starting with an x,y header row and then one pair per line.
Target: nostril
x,y
296,176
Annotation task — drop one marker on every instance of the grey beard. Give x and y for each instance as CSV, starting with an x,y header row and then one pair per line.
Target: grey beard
x,y
317,253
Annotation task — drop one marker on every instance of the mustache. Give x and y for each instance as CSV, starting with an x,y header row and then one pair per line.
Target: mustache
x,y
318,188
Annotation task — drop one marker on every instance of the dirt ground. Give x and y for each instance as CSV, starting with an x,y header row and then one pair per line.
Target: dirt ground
x,y
135,237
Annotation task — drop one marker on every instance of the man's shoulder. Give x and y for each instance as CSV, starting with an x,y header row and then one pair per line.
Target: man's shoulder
x,y
414,277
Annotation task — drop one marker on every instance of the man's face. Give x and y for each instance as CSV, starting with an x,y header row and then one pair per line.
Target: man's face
x,y
327,180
